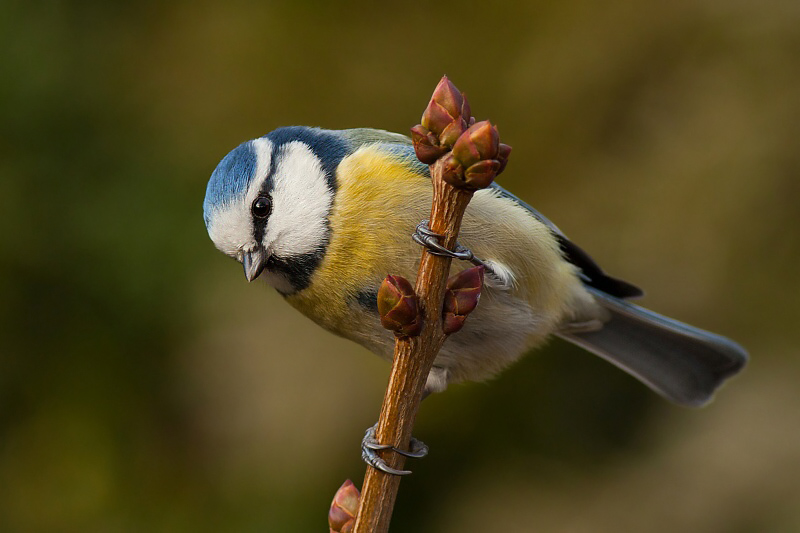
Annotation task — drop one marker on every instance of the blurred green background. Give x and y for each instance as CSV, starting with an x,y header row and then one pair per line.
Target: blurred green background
x,y
145,386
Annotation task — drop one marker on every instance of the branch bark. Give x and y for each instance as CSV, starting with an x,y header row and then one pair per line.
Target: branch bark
x,y
464,156
413,358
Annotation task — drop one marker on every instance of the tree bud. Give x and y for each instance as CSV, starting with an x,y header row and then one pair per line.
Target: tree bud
x,y
344,507
481,155
443,122
398,307
461,297
426,145
445,106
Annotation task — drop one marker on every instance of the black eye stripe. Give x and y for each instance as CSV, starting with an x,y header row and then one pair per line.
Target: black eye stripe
x,y
262,207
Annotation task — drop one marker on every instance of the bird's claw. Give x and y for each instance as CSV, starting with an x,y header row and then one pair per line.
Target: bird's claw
x,y
430,240
370,448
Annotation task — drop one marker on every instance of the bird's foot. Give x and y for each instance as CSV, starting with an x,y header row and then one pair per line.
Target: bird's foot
x,y
499,276
430,240
370,448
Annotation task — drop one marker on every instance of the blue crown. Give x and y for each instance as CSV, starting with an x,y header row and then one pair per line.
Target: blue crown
x,y
231,178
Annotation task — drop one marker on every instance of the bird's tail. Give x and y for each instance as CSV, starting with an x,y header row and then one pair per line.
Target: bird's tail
x,y
682,363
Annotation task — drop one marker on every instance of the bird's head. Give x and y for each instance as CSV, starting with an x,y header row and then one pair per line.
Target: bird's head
x,y
268,201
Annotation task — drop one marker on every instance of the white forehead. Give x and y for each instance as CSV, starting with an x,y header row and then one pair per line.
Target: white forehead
x,y
301,200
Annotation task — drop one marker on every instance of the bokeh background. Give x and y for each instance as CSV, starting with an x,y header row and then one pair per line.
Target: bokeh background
x,y
145,386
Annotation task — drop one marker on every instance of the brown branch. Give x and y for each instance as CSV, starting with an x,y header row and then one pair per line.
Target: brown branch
x,y
413,358
463,156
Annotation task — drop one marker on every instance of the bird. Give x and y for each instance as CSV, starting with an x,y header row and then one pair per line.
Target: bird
x,y
323,216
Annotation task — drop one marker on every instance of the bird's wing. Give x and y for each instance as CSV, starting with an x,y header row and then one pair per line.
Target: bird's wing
x,y
361,136
591,273
400,146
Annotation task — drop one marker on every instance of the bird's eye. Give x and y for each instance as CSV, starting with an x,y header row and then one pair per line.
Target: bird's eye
x,y
261,207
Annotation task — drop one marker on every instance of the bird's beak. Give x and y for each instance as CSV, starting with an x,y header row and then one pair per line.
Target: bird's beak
x,y
254,262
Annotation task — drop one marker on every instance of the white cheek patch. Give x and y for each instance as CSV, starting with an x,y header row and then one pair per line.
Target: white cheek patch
x,y
231,226
231,230
301,200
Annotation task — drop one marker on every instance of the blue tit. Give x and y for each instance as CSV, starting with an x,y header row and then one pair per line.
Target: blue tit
x,y
323,216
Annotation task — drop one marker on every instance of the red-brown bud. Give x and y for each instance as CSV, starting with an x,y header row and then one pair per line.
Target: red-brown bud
x,y
452,171
466,112
398,307
444,120
481,141
452,132
481,174
436,118
426,145
448,123
480,153
344,507
461,297
445,106
503,151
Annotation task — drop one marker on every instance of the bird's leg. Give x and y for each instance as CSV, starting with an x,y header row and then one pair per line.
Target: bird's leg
x,y
369,445
430,240
498,275
370,448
